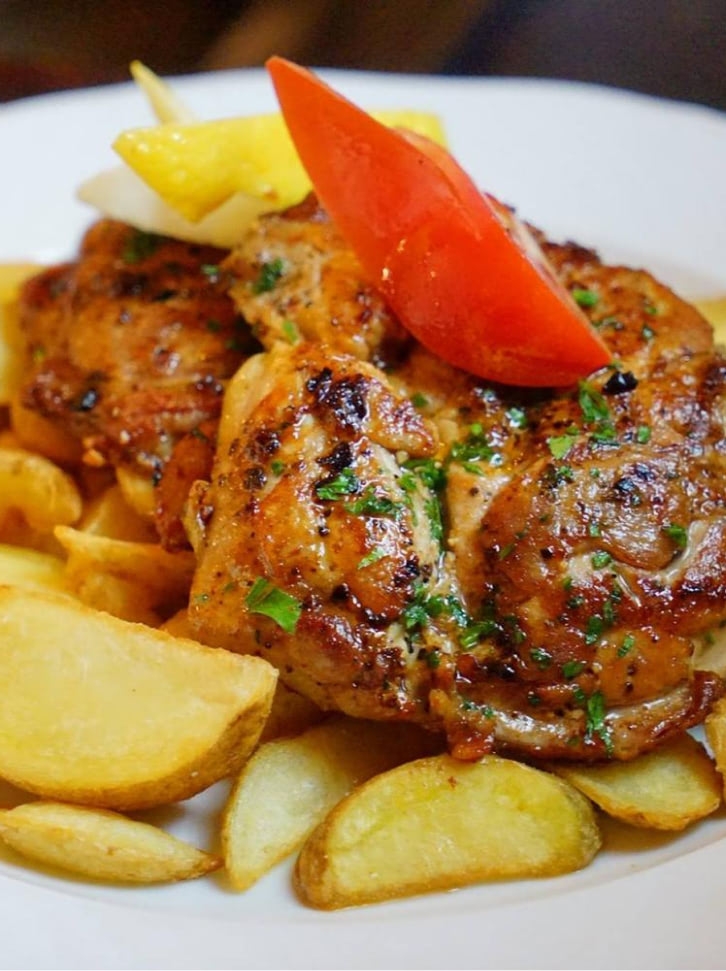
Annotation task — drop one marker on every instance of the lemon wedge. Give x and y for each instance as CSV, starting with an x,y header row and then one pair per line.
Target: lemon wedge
x,y
714,311
164,102
195,167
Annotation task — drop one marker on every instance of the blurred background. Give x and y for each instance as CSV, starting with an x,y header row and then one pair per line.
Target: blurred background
x,y
672,48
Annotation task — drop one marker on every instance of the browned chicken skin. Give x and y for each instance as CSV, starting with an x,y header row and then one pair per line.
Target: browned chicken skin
x,y
129,346
528,571
575,541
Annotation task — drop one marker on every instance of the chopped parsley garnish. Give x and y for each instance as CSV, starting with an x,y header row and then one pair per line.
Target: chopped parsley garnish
x,y
517,417
593,405
595,724
277,466
474,448
627,646
541,657
642,434
345,483
594,628
600,559
419,400
210,270
269,276
585,298
289,329
140,246
373,557
561,445
265,598
570,669
677,534
371,504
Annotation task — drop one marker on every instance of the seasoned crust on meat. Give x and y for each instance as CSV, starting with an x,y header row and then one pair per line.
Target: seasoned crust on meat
x,y
128,347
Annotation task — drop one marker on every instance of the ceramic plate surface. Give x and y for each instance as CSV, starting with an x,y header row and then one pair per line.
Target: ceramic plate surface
x,y
644,182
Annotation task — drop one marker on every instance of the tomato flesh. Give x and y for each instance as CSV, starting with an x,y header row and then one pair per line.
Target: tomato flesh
x,y
438,249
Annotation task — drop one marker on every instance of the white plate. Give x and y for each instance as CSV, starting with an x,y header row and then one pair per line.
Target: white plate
x,y
645,182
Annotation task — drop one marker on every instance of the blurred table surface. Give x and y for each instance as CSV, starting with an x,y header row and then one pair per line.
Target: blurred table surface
x,y
673,48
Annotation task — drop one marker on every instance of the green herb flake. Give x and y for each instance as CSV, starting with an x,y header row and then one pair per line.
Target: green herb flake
x,y
561,445
140,246
373,557
594,628
627,646
419,400
277,466
269,276
290,331
371,504
600,559
570,669
677,534
517,417
541,657
585,298
345,483
592,404
211,271
267,599
642,434
595,725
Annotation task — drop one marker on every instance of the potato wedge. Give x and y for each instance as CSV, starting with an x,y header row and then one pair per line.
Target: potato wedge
x,y
21,567
437,823
715,727
38,489
291,714
666,789
101,844
139,582
289,785
110,515
105,713
714,311
11,277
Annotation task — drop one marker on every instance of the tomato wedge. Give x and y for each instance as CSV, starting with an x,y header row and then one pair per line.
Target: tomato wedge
x,y
444,258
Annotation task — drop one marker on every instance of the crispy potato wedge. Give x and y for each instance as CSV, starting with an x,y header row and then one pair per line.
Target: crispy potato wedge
x,y
38,434
714,311
291,714
101,844
110,515
38,489
666,789
105,713
437,823
290,784
21,567
11,277
715,727
140,582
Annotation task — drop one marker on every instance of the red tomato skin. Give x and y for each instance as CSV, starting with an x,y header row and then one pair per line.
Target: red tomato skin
x,y
434,245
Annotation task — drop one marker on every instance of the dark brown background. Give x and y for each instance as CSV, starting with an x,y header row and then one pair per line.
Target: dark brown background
x,y
675,48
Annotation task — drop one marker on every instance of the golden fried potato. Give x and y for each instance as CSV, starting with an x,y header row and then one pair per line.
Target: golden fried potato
x,y
140,582
714,311
11,276
108,514
715,726
666,789
38,489
437,823
38,434
101,844
106,713
291,714
21,567
289,785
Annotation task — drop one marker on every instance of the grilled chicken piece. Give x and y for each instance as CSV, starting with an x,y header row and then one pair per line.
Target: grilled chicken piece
x,y
529,571
296,279
129,347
